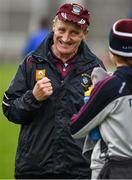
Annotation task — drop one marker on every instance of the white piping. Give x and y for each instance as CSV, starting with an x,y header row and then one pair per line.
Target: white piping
x,y
126,54
120,33
6,96
6,104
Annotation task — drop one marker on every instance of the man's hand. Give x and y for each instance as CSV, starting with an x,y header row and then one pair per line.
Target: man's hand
x,y
42,89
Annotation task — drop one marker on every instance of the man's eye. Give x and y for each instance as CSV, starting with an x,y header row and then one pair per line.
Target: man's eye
x,y
61,30
75,33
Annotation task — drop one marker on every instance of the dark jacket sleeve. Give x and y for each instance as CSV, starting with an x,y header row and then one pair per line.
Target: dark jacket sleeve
x,y
19,104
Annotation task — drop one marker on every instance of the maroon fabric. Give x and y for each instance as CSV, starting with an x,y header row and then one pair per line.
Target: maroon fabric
x,y
64,68
75,13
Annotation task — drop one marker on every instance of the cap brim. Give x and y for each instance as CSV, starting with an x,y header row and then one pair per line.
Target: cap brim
x,y
72,18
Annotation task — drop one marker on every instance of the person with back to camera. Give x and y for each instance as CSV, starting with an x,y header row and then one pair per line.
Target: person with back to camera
x,y
47,90
93,138
111,100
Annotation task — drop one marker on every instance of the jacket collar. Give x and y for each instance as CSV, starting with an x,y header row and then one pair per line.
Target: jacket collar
x,y
125,72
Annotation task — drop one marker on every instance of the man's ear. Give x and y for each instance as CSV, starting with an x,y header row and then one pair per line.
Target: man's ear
x,y
53,26
85,34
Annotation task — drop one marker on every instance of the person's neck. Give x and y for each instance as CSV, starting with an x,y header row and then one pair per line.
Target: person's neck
x,y
123,64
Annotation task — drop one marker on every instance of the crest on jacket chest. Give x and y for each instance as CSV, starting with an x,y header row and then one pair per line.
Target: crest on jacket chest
x,y
86,80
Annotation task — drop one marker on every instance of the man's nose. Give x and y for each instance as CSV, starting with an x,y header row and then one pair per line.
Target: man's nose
x,y
66,37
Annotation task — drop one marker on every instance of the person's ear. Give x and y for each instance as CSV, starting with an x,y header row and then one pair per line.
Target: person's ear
x,y
111,55
87,30
85,34
53,26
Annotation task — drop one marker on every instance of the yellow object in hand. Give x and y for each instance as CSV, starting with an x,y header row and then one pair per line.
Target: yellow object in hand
x,y
88,92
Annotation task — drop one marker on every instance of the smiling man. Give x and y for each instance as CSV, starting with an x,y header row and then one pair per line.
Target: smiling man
x,y
67,39
46,91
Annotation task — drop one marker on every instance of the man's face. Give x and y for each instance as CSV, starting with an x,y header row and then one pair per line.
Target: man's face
x,y
67,38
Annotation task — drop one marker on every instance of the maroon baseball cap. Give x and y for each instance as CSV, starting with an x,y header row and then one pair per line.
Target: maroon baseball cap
x,y
75,13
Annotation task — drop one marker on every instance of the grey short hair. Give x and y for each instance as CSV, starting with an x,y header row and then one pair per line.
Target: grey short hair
x,y
56,18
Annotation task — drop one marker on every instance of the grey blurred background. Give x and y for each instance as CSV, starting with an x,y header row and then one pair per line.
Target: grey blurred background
x,y
18,18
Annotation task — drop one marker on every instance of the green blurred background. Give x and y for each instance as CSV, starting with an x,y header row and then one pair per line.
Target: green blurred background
x,y
8,130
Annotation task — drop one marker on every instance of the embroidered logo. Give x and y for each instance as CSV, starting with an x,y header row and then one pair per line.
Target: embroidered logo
x,y
76,9
86,80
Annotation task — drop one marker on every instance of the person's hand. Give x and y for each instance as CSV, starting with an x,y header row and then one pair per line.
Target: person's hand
x,y
42,89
